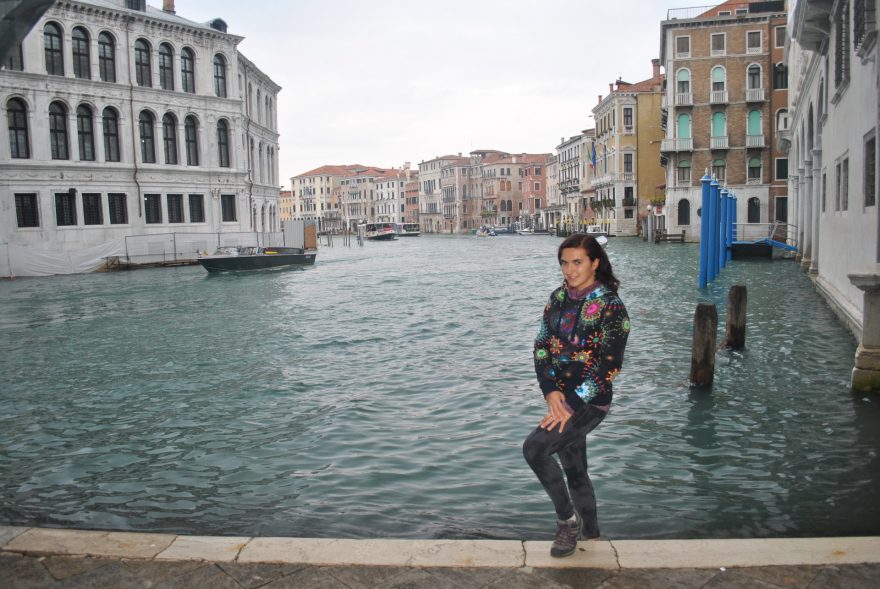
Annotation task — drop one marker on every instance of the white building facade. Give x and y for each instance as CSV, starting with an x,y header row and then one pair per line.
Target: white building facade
x,y
125,123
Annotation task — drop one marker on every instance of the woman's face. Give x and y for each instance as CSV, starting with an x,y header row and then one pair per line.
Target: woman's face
x,y
577,267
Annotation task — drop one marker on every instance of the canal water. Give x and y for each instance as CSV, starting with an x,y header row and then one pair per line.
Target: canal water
x,y
386,392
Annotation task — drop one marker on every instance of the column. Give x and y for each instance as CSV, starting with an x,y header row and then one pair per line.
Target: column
x,y
866,373
817,209
808,215
802,197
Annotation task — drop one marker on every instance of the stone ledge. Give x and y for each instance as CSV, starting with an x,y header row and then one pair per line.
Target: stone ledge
x,y
207,548
89,543
593,554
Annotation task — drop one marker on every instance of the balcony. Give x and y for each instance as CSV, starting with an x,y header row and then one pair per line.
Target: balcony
x,y
677,144
628,130
754,95
718,97
629,201
718,142
684,99
628,177
755,140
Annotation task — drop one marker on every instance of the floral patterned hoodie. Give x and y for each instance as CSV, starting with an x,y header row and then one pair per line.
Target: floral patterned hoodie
x,y
580,343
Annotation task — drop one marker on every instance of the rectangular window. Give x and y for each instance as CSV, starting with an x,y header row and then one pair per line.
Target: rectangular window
x,y
844,185
196,208
175,208
753,42
782,168
93,212
153,208
537,186
227,205
537,171
628,213
864,24
824,190
719,43
684,176
779,41
682,47
870,176
118,208
65,208
627,163
26,212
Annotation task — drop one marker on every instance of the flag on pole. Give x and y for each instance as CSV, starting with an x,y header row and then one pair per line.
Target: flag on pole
x,y
593,156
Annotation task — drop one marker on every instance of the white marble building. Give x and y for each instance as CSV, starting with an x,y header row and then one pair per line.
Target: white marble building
x,y
131,130
832,52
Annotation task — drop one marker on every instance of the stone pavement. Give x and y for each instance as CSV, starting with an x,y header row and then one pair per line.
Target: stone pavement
x,y
40,557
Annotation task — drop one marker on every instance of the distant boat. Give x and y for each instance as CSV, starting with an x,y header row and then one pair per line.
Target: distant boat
x,y
380,232
244,258
485,232
408,229
530,231
595,231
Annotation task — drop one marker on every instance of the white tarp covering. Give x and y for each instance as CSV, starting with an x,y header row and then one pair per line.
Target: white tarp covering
x,y
29,261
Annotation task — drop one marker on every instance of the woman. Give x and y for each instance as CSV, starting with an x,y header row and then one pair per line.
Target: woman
x,y
578,352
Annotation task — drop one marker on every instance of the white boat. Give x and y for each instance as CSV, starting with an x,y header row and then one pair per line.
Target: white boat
x,y
485,232
595,231
380,232
408,229
530,231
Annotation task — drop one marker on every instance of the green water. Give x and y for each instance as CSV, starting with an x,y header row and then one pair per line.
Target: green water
x,y
386,393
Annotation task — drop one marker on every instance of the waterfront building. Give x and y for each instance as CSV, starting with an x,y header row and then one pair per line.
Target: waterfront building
x,y
726,99
311,195
430,194
127,123
568,161
584,211
832,53
285,205
533,179
455,173
627,152
411,198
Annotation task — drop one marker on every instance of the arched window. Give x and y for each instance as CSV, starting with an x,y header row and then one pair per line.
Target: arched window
x,y
17,119
106,57
719,124
753,77
85,133
719,170
684,173
271,117
148,144
191,130
719,79
259,106
53,49
166,67
684,126
683,82
223,143
111,135
780,76
188,70
220,76
754,209
782,119
82,61
754,174
509,205
142,63
250,100
684,212
754,123
169,138
58,131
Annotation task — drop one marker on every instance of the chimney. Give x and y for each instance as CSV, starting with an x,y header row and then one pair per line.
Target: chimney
x,y
610,87
168,6
600,99
656,65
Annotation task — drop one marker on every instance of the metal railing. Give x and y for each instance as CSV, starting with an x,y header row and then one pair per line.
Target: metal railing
x,y
180,248
754,94
755,140
718,97
718,142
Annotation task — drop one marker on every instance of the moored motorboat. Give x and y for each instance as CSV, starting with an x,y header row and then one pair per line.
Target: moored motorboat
x,y
244,258
408,229
380,232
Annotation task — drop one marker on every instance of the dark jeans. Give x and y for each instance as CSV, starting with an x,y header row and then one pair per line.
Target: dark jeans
x,y
571,446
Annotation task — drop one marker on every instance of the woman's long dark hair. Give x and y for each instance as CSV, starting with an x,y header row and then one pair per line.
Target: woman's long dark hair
x,y
604,273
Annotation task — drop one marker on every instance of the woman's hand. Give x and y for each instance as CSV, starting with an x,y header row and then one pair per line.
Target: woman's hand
x,y
558,412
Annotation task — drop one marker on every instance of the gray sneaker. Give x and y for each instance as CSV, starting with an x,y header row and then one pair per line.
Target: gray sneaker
x,y
566,537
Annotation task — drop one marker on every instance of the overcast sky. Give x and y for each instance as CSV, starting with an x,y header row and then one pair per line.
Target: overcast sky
x,y
382,82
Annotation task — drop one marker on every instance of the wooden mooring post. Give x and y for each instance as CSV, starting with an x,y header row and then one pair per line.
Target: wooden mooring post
x,y
705,341
735,337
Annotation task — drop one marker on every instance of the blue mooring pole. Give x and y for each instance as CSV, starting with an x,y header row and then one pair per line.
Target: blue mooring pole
x,y
732,224
713,229
704,231
725,219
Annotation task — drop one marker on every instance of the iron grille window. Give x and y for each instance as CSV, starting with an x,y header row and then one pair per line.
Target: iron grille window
x,y
118,208
111,135
148,146
220,76
223,143
782,168
106,57
15,59
26,212
166,67
175,208
187,70
196,208
58,131
82,62
93,212
871,171
192,141
53,50
780,76
16,114
841,47
227,206
153,208
143,68
169,138
864,21
65,208
85,133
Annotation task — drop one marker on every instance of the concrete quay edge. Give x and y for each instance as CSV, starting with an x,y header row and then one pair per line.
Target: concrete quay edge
x,y
601,554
